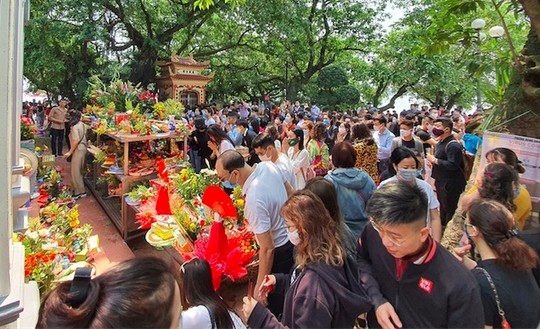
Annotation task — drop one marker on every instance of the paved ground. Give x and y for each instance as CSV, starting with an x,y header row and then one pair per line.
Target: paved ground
x,y
113,249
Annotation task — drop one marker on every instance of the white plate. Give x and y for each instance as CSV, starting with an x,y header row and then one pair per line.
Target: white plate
x,y
30,158
156,241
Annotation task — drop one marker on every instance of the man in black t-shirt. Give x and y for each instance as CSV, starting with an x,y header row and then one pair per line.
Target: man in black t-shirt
x,y
448,170
423,132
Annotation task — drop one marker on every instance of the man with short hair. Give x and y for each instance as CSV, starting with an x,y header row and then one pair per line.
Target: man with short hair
x,y
406,138
57,117
264,189
412,280
315,112
230,128
424,133
264,146
448,169
434,113
384,138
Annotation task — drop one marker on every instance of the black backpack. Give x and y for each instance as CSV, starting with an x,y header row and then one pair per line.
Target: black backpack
x,y
467,160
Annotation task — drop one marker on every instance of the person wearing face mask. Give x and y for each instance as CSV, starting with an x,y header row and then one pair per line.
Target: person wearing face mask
x,y
505,272
230,128
344,132
265,190
434,113
498,181
404,168
424,133
264,146
298,155
406,138
323,291
447,168
383,137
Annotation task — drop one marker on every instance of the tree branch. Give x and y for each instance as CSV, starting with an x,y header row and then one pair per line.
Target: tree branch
x,y
402,90
224,47
147,19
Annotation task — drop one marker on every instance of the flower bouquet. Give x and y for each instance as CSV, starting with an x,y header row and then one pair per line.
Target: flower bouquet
x,y
128,109
52,187
53,243
28,128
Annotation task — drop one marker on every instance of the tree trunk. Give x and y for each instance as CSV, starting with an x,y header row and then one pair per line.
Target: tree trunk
x,y
143,67
520,113
292,90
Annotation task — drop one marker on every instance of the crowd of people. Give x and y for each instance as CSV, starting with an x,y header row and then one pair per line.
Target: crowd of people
x,y
348,210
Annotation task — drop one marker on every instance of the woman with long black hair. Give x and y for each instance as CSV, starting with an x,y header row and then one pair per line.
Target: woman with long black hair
x,y
204,308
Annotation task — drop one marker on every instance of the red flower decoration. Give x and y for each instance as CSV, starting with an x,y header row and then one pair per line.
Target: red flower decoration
x,y
219,201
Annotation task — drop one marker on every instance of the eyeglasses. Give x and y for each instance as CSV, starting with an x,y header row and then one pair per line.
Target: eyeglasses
x,y
397,242
465,225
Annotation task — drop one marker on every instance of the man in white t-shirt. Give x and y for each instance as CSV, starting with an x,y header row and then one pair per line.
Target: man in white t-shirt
x,y
264,146
265,193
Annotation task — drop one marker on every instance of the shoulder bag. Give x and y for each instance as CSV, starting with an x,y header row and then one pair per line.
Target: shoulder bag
x,y
69,158
504,323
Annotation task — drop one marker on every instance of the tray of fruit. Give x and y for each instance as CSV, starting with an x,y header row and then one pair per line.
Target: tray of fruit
x,y
141,171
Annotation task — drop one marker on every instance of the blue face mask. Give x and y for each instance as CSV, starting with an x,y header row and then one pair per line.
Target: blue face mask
x,y
326,122
407,174
517,190
250,128
419,174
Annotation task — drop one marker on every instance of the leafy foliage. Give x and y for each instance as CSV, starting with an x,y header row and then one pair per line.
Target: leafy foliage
x,y
332,77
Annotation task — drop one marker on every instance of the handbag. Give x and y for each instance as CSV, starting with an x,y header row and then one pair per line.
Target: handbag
x,y
504,323
308,174
70,157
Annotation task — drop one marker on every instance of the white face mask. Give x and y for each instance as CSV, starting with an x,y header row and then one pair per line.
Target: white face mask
x,y
265,157
407,174
342,130
294,237
405,132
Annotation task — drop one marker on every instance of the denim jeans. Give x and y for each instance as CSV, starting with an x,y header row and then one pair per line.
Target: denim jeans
x,y
195,159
